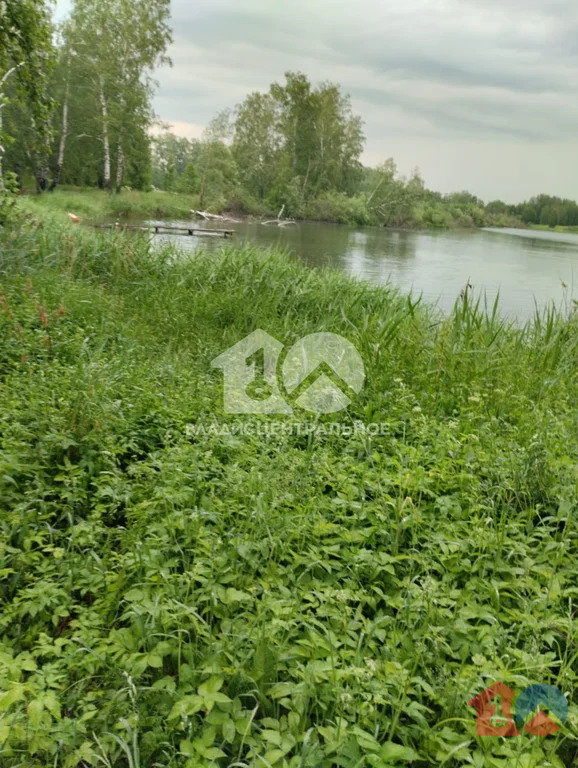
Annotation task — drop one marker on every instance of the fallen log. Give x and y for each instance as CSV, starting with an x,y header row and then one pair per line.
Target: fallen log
x,y
205,215
214,217
277,223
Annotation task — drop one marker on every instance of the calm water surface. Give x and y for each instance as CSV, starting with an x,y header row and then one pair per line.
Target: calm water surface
x,y
525,267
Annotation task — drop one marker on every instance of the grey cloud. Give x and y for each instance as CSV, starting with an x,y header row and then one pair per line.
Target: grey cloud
x,y
527,53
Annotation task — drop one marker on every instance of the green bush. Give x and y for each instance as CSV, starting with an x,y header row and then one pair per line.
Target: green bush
x,y
338,208
437,217
241,201
8,197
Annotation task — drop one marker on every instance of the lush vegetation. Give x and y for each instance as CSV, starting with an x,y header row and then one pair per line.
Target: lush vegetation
x,y
99,95
298,148
96,204
544,211
26,62
558,228
179,600
193,599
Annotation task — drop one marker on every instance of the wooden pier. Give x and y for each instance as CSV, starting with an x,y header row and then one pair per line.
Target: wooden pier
x,y
165,229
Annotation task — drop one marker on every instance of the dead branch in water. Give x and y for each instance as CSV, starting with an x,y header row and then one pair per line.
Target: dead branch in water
x,y
278,222
214,217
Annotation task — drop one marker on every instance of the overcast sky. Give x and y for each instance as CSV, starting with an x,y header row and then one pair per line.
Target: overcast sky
x,y
479,94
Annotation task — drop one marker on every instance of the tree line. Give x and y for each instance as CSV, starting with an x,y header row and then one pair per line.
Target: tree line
x,y
79,111
543,209
76,109
284,147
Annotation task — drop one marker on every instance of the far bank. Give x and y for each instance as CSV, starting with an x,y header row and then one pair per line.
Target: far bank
x,y
332,208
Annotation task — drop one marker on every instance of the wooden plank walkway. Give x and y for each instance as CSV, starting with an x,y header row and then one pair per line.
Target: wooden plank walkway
x,y
162,229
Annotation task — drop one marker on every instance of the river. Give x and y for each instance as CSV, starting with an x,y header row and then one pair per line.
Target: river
x,y
527,268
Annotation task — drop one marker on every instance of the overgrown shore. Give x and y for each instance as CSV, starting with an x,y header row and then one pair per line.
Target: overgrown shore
x,y
298,601
95,205
98,204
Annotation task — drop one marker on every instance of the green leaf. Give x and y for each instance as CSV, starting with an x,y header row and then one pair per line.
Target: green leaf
x,y
16,693
35,710
189,705
365,740
229,731
85,754
52,705
164,684
135,595
233,595
274,737
242,725
187,748
218,698
212,753
280,690
207,736
392,752
212,685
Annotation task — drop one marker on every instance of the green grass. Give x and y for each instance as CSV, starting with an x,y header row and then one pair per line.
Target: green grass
x,y
301,601
96,204
546,228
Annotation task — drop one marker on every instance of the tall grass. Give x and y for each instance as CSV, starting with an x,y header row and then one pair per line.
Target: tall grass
x,y
317,600
98,204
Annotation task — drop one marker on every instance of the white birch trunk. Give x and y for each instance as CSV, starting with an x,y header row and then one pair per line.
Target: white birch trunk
x,y
119,166
1,151
105,138
63,138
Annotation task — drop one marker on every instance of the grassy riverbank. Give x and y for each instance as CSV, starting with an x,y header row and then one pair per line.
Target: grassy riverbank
x,y
96,204
317,601
544,228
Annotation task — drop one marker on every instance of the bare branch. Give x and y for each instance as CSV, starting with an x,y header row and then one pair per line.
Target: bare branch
x,y
10,71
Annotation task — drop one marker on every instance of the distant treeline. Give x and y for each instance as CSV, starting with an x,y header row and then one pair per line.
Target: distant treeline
x,y
298,147
544,209
82,116
226,171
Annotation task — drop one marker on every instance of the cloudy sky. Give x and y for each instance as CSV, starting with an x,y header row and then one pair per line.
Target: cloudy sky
x,y
479,94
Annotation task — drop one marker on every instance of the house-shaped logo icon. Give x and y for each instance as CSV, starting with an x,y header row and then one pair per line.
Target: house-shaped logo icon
x,y
321,373
490,721
250,375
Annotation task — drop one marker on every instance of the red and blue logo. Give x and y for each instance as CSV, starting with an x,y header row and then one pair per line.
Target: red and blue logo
x,y
539,710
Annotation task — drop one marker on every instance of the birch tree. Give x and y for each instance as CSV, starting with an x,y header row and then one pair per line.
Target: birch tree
x,y
119,43
257,143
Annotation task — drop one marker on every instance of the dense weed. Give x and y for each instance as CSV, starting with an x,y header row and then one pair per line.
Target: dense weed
x,y
170,600
97,204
